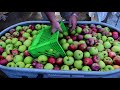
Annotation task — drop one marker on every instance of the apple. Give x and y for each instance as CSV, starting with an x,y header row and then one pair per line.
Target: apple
x,y
72,47
35,32
100,47
85,31
18,58
99,35
70,41
12,31
20,65
88,48
68,60
80,37
115,35
65,46
26,53
42,59
38,27
3,62
101,64
4,54
115,49
78,64
105,53
34,63
118,38
111,54
69,53
94,30
86,54
9,58
82,26
11,64
78,29
28,66
116,60
65,33
29,31
110,39
8,41
107,45
22,54
59,61
93,51
65,67
98,26
31,27
100,41
14,40
87,61
104,38
26,35
116,66
14,52
30,38
7,34
116,43
28,60
48,66
62,41
3,38
74,69
76,43
18,43
56,67
60,35
68,37
16,34
21,32
95,58
27,43
86,68
22,48
39,66
108,61
1,50
90,41
25,27
95,67
73,32
81,41
94,34
78,54
74,38
92,26
86,36
18,28
2,44
82,46
51,60
108,67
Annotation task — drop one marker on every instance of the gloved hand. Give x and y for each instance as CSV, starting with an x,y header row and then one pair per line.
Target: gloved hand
x,y
56,26
72,22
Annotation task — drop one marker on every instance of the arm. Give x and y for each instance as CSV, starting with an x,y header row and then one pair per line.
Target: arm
x,y
55,25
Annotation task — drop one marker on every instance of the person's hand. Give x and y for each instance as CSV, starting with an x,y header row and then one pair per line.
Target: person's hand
x,y
72,22
56,26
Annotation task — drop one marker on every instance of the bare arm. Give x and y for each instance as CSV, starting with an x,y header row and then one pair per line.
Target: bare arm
x,y
51,16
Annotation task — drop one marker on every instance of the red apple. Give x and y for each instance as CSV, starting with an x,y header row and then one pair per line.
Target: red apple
x,y
115,35
20,38
59,61
116,60
96,58
21,32
1,50
39,66
88,48
31,27
1,57
74,38
3,62
100,30
26,53
82,26
95,67
68,37
12,31
82,46
51,60
87,61
111,54
92,26
56,67
80,37
34,63
86,31
72,47
14,52
94,29
90,41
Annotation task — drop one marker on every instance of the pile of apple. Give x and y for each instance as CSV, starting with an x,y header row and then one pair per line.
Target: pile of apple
x,y
88,48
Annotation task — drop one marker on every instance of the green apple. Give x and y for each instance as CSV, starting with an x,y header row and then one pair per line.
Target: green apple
x,y
86,68
69,53
20,64
8,41
8,51
94,38
14,40
3,38
28,66
65,33
28,60
65,67
78,29
100,47
18,58
62,41
78,54
73,32
81,41
3,44
18,28
30,38
116,43
107,45
93,51
38,27
11,64
74,69
105,53
102,64
68,60
4,54
22,48
70,41
108,67
101,55
35,32
99,35
22,54
65,46
18,43
25,27
110,39
48,66
102,70
78,64
42,59
60,35
26,35
76,34
107,28
99,26
116,49
9,46
29,31
27,42
86,36
104,38
86,54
